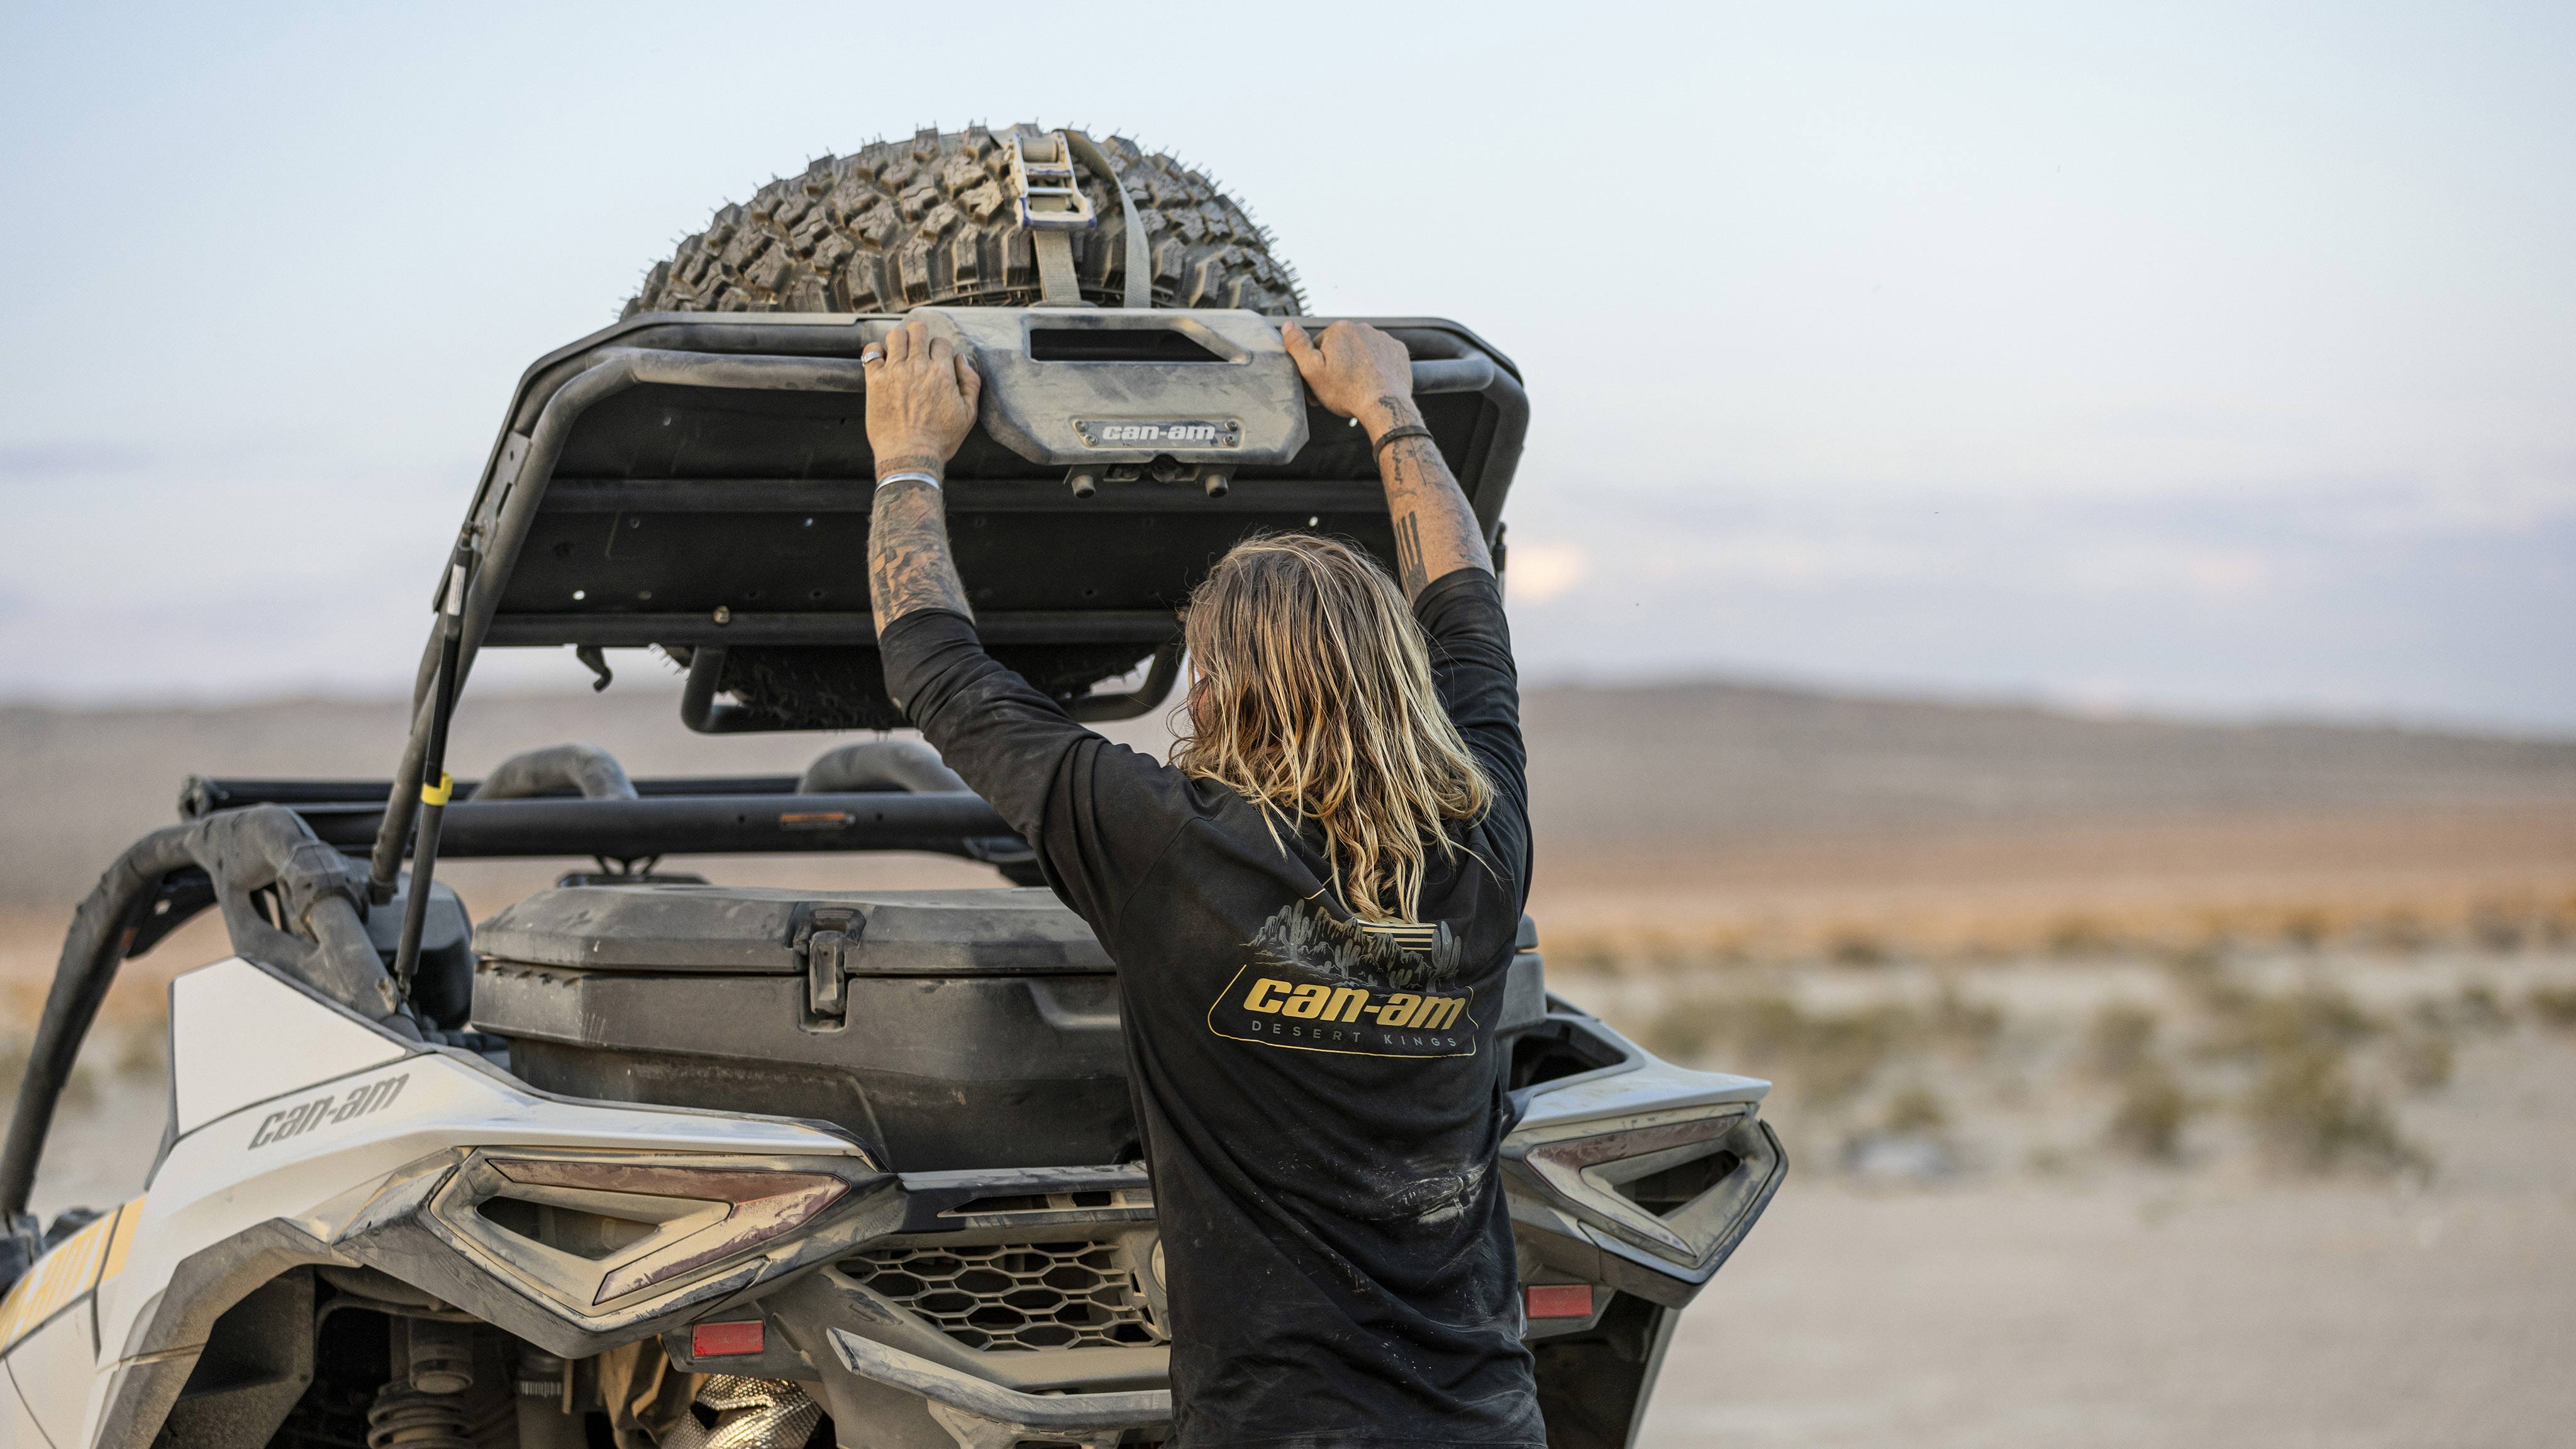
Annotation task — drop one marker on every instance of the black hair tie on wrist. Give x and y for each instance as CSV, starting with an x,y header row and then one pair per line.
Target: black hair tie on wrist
x,y
1409,430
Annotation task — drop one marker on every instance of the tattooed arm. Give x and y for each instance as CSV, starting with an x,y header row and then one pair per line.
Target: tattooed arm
x,y
1359,372
921,404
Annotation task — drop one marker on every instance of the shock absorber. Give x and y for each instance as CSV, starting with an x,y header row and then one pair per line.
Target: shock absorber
x,y
404,1417
423,1405
545,1403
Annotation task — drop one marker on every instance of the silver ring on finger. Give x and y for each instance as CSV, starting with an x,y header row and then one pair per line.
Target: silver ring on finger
x,y
871,353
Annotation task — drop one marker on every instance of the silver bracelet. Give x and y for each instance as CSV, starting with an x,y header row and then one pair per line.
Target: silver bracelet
x,y
913,474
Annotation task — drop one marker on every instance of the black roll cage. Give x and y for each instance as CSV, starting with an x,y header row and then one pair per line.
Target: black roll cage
x,y
816,352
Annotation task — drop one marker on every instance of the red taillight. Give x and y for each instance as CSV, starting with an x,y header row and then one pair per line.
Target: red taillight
x,y
715,1340
1558,1300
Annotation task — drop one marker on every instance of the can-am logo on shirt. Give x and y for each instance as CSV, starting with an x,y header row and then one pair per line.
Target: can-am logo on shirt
x,y
1318,983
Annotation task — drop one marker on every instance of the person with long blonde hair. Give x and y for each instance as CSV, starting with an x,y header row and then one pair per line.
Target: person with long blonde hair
x,y
1312,908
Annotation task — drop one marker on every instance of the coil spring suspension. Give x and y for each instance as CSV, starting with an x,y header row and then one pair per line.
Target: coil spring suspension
x,y
405,1418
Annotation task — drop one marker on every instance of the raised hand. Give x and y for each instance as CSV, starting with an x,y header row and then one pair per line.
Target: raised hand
x,y
922,394
1356,372
1360,372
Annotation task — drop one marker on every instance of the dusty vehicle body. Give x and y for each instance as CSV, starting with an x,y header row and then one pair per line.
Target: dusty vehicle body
x,y
875,1147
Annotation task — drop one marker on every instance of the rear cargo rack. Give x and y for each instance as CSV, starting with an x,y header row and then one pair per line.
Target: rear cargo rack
x,y
701,482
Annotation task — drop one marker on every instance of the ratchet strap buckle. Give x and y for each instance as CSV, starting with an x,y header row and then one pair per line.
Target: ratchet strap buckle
x,y
1043,181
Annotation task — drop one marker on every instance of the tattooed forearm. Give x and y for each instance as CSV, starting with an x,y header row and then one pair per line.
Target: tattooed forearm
x,y
1408,554
1435,531
909,565
1365,375
911,463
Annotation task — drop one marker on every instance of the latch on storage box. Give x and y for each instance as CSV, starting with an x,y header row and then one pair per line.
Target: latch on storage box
x,y
825,943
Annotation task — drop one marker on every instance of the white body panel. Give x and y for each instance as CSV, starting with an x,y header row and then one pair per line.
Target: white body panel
x,y
292,1041
53,1367
18,1427
300,1111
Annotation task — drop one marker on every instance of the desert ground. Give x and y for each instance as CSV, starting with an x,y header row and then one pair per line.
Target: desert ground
x,y
2146,1082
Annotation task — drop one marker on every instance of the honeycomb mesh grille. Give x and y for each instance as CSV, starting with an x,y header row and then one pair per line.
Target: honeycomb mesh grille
x,y
1015,1295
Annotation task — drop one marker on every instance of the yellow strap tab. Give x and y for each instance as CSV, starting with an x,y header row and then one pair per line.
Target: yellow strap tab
x,y
437,794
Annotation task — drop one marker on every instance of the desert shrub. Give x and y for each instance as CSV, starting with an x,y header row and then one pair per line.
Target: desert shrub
x,y
2152,1112
2306,1111
2315,1018
1917,1109
1756,1031
2201,972
1827,1055
2478,1008
2554,1006
2118,1040
2558,924
1843,1050
2308,1116
1970,1028
2424,1056
2401,931
2306,929
1685,1029
2498,926
1856,948
2148,1119
2079,936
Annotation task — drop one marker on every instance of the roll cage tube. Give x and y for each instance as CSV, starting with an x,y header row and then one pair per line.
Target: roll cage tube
x,y
434,784
501,529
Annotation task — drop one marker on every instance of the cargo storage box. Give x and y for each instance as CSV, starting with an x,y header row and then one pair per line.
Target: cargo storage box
x,y
952,1029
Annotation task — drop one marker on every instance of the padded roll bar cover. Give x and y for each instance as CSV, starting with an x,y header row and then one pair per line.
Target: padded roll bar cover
x,y
586,768
913,767
318,888
244,851
908,765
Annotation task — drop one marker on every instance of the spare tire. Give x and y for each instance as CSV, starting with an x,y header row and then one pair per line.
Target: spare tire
x,y
903,224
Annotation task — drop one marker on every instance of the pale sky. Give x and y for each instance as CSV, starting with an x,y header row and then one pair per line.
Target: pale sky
x,y
2179,358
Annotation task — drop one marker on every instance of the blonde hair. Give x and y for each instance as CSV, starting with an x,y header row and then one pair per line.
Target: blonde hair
x,y
1314,700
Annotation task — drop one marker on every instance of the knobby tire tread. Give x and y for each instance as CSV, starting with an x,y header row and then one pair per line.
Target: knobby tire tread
x,y
931,221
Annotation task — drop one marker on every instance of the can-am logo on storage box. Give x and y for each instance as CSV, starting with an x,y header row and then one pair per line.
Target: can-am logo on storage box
x,y
1158,433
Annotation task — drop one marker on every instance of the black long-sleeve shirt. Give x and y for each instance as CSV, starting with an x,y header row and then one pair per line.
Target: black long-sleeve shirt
x,y
1321,1098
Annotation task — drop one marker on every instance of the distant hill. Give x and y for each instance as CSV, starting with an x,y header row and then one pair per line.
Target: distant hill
x,y
1667,772
1716,761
